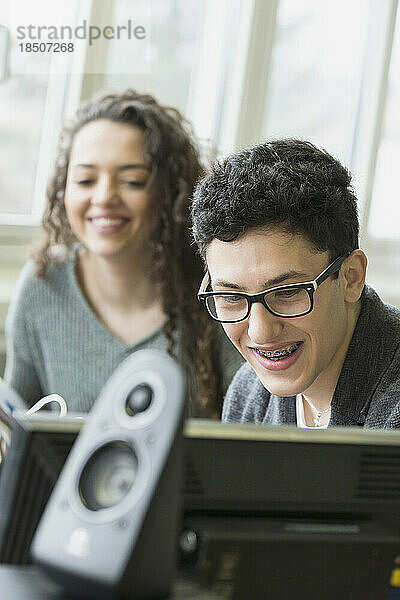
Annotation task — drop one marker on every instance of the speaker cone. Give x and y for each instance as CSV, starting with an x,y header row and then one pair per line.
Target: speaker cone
x,y
108,476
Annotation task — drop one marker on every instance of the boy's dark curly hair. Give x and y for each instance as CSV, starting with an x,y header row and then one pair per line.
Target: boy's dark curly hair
x,y
176,269
286,183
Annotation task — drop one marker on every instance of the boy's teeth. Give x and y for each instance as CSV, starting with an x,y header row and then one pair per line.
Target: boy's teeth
x,y
278,354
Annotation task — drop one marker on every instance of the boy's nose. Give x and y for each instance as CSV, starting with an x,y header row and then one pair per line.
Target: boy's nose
x,y
263,327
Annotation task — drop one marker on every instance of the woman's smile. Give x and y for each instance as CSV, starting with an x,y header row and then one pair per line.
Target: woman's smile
x,y
108,223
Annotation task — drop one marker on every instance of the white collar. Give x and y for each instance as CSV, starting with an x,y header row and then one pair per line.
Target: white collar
x,y
301,422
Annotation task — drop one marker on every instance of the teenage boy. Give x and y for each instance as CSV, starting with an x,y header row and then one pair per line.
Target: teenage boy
x,y
277,226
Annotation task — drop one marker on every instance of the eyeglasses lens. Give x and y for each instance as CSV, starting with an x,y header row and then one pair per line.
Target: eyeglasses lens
x,y
227,308
289,302
232,307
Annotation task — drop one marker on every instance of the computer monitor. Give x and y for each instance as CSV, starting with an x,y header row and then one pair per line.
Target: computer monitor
x,y
269,512
283,513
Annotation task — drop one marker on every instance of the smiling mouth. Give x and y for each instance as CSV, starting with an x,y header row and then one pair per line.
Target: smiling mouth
x,y
108,221
276,355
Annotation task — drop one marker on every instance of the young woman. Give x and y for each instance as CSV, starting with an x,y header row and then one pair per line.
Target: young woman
x,y
117,271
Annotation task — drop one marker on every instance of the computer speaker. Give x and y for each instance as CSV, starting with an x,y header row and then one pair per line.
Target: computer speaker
x,y
110,527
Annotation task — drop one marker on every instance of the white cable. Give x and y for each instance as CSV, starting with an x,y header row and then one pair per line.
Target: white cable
x,y
46,400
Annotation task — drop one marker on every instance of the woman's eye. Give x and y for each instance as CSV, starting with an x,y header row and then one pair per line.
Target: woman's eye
x,y
85,182
134,184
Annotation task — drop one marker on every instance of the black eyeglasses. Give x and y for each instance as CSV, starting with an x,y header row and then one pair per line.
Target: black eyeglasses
x,y
287,301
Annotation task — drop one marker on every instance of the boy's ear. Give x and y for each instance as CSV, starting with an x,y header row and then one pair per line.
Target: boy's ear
x,y
353,275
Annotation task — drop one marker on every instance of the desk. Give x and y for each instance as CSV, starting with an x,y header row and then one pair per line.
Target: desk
x,y
28,583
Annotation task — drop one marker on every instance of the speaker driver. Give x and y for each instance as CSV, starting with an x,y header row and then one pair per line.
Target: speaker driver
x,y
108,476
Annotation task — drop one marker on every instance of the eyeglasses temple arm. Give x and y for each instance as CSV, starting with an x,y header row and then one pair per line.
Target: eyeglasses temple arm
x,y
332,268
204,283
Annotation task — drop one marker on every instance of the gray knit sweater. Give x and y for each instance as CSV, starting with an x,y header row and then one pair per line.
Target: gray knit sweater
x,y
368,390
56,344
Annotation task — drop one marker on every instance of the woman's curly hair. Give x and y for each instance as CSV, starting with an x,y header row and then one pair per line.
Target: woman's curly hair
x,y
176,268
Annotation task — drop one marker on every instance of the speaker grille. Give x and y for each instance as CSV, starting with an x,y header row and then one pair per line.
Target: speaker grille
x,y
192,482
379,476
45,458
60,446
27,512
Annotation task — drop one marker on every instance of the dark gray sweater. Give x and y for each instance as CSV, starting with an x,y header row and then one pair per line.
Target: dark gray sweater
x,y
368,390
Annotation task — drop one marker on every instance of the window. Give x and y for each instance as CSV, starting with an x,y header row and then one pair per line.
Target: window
x,y
31,102
316,73
176,29
22,105
384,218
